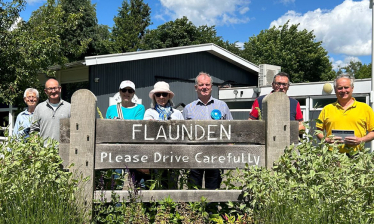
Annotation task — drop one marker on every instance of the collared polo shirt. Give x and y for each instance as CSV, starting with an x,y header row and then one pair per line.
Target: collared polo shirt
x,y
197,110
358,117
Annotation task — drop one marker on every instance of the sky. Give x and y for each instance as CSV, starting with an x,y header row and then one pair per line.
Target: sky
x,y
343,26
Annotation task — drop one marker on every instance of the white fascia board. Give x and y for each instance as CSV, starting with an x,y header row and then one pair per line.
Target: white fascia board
x,y
139,55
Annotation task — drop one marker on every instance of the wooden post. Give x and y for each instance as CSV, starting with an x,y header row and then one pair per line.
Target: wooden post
x,y
276,113
82,144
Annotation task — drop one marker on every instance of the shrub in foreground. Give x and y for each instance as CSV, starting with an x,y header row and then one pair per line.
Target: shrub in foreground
x,y
311,183
33,187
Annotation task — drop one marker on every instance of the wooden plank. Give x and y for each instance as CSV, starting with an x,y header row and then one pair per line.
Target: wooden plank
x,y
294,132
64,146
181,131
64,154
294,137
82,144
276,113
65,130
176,195
110,156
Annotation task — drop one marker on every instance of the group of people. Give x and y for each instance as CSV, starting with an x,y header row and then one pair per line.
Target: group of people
x,y
162,109
345,114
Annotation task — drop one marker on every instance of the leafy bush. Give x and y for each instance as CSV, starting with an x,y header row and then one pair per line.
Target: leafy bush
x,y
313,183
33,187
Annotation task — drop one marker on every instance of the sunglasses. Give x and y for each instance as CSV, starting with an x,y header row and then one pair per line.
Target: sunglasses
x,y
128,90
161,94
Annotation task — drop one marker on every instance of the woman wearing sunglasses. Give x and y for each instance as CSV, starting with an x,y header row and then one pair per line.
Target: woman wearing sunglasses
x,y
161,107
162,110
126,109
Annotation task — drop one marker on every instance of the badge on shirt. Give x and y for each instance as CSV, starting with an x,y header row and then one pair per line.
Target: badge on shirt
x,y
216,114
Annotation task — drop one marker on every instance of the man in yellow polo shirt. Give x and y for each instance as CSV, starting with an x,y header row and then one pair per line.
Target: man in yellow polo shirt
x,y
347,114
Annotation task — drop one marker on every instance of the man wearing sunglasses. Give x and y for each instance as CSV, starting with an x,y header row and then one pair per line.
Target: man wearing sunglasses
x,y
47,114
281,83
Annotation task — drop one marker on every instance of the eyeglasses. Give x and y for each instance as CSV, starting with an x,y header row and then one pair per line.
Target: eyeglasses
x,y
161,94
50,89
128,90
278,84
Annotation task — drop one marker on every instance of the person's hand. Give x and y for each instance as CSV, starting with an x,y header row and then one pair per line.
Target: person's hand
x,y
336,139
353,141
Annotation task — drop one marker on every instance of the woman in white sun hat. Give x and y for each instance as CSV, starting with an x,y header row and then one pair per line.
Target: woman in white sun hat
x,y
162,110
162,105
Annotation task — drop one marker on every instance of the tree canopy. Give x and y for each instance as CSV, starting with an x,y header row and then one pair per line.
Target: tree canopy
x,y
15,68
180,32
356,69
297,52
129,25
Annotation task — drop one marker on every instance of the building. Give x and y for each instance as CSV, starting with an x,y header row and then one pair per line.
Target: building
x,y
178,66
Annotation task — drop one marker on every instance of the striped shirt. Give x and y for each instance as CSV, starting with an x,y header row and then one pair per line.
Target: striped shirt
x,y
197,110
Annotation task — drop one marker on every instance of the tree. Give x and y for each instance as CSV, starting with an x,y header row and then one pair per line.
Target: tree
x,y
180,32
83,33
356,69
130,24
297,52
13,63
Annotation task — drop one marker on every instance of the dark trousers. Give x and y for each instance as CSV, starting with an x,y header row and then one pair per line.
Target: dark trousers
x,y
213,178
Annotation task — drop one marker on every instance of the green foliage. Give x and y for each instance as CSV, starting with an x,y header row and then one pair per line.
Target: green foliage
x,y
356,69
84,33
310,183
180,32
129,25
165,211
13,68
33,187
295,51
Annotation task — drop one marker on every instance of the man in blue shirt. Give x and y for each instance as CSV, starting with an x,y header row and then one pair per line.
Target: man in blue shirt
x,y
24,119
201,109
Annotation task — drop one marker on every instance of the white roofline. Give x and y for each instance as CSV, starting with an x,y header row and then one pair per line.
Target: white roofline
x,y
139,55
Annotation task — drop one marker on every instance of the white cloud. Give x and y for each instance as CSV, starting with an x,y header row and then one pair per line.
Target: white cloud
x,y
346,29
208,12
35,1
287,1
342,63
239,45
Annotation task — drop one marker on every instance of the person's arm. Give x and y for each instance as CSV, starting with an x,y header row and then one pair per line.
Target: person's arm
x,y
185,113
299,117
329,140
301,127
228,113
148,115
16,127
140,113
109,114
253,115
357,140
35,125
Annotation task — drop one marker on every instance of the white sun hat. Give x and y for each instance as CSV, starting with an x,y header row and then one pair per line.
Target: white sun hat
x,y
161,87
